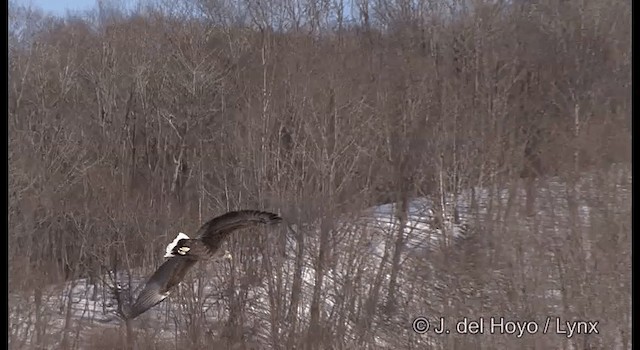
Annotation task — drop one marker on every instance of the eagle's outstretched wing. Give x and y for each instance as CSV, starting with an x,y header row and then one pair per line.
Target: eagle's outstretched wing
x,y
213,232
159,285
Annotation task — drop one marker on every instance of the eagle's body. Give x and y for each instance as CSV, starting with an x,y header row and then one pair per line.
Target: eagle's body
x,y
184,252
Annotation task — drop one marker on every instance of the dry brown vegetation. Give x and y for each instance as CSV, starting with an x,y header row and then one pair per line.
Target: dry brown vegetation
x,y
126,127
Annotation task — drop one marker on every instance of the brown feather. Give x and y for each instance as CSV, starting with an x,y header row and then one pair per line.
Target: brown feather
x,y
167,276
216,230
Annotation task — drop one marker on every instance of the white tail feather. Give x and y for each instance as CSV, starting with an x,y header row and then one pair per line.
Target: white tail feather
x,y
174,243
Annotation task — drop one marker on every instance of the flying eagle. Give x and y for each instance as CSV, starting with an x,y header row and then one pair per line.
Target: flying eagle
x,y
184,252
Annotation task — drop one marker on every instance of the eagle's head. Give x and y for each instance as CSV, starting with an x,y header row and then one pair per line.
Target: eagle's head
x,y
179,246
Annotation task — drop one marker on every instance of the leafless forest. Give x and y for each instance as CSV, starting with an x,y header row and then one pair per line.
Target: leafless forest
x,y
507,122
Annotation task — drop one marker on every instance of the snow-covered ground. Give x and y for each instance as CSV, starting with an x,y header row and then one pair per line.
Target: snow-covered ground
x,y
360,258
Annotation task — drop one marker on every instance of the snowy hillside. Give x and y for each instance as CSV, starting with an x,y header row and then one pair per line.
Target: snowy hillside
x,y
361,258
